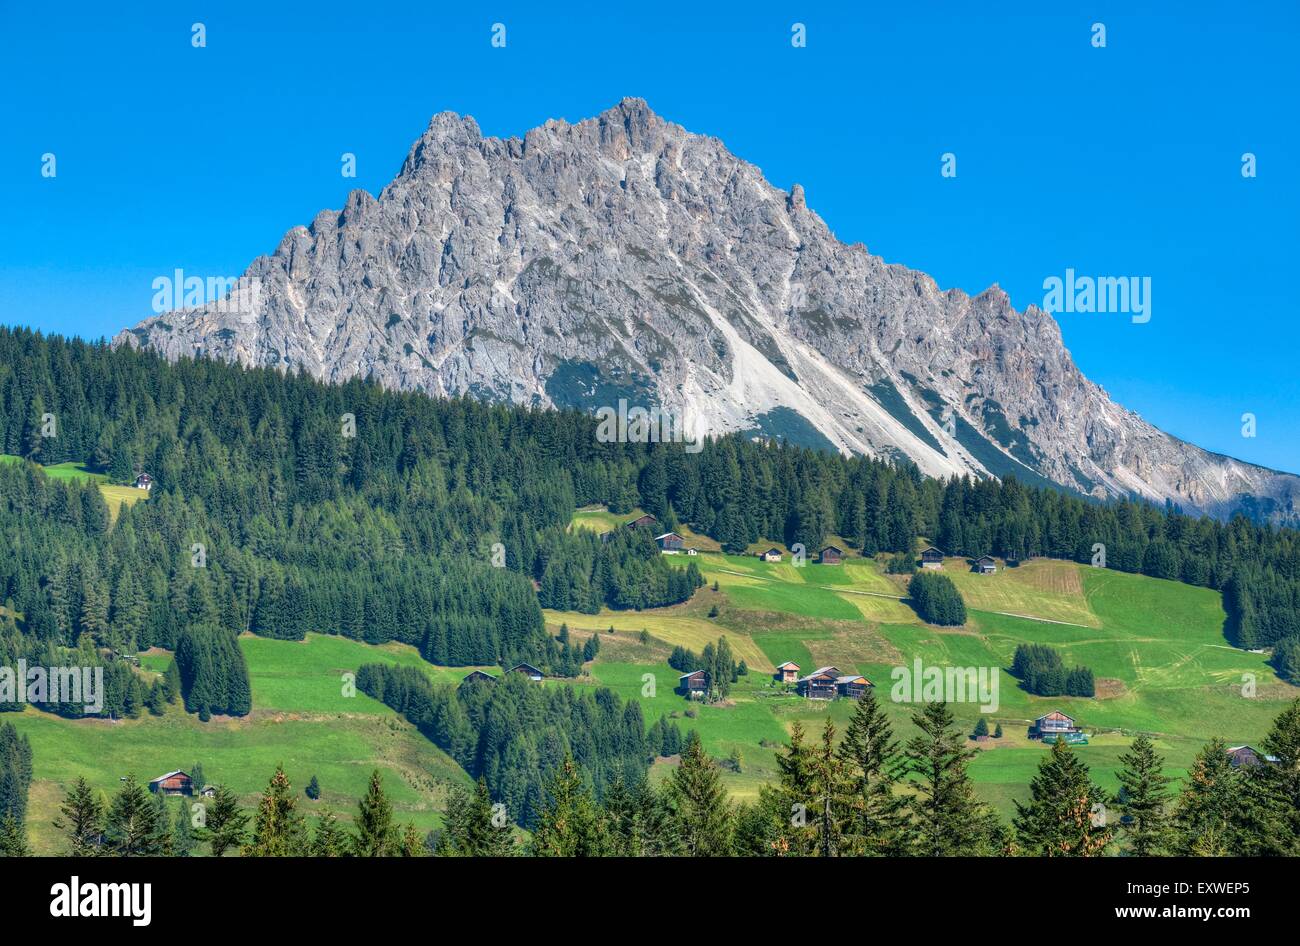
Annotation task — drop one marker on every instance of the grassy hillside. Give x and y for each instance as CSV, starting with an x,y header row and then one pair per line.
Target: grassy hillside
x,y
1156,647
300,718
113,495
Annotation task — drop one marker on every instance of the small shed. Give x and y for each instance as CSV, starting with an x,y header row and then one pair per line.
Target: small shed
x,y
646,521
985,565
831,555
787,672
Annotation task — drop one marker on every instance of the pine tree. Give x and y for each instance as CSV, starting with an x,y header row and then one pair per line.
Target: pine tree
x,y
702,815
946,819
313,789
224,823
1142,798
981,728
1065,816
278,828
82,817
876,814
374,823
570,822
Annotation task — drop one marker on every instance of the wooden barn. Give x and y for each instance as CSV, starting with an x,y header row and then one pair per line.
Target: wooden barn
x,y
787,672
852,686
831,555
931,558
695,683
820,684
173,783
528,670
771,555
642,522
478,676
670,543
985,565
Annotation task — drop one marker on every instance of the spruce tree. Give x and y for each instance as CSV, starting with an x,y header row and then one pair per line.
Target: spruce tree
x,y
278,828
1142,798
131,827
224,823
701,812
375,835
876,813
82,816
13,839
328,839
946,819
570,822
1209,813
183,840
1066,815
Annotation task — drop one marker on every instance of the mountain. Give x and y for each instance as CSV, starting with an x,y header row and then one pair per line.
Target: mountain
x,y
624,257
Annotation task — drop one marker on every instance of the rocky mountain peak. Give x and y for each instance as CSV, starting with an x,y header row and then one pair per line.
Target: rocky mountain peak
x,y
622,257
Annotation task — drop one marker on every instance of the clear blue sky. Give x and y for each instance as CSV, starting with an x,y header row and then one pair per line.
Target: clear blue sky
x,y
1117,161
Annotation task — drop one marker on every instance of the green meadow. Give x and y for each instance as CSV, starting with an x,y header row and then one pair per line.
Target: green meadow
x,y
113,495
1156,648
302,718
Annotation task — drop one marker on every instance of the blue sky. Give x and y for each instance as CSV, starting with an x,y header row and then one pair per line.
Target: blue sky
x,y
1117,161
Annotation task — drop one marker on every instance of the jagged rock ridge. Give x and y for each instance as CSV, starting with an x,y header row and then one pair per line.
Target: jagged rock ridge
x,y
624,257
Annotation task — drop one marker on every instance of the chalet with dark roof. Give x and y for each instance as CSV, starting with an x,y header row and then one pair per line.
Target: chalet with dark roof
x,y
819,685
831,555
771,555
852,686
528,670
646,521
695,683
477,676
985,565
931,558
670,543
1248,756
173,783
